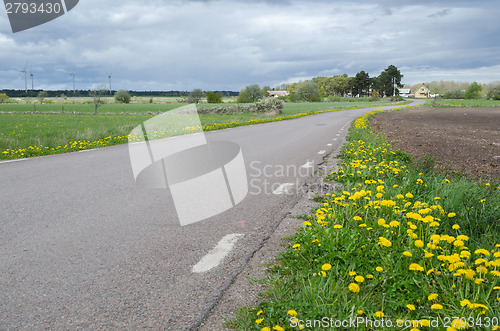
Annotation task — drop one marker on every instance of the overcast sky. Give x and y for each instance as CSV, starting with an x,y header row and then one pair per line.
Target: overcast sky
x,y
228,44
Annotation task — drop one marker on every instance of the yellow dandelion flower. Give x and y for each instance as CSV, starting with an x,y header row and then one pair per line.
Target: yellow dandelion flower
x,y
266,329
337,226
361,312
352,273
379,269
353,287
419,243
359,279
437,306
259,312
407,254
379,314
432,296
292,312
357,218
307,223
455,227
410,307
482,252
259,321
409,195
370,276
451,215
416,267
278,328
326,267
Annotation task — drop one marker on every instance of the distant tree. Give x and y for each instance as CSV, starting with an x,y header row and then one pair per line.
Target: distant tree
x,y
122,96
388,80
97,96
472,91
361,82
42,95
265,91
249,94
454,94
493,93
309,91
195,96
4,98
213,97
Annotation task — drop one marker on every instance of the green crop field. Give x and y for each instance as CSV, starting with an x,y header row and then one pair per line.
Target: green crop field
x,y
468,103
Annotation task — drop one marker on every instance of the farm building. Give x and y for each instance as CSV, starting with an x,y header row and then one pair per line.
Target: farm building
x,y
422,92
404,92
276,94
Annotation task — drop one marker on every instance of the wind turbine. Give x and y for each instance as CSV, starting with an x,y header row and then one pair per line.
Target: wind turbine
x,y
25,78
32,81
109,78
73,75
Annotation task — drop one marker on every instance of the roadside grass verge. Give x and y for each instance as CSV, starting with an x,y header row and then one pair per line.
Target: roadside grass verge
x,y
28,135
398,247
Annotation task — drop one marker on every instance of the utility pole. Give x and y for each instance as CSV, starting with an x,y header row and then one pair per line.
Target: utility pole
x,y
394,86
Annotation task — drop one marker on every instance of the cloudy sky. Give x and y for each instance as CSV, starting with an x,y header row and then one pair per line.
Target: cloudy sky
x,y
228,44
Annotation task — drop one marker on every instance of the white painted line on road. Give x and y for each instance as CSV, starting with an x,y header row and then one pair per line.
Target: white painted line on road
x,y
12,161
321,152
329,145
308,165
217,254
283,188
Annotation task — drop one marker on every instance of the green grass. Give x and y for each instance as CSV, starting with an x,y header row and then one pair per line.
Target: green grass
x,y
50,132
89,108
465,103
386,207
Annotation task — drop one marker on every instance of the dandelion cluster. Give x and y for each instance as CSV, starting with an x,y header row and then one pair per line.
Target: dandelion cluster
x,y
389,247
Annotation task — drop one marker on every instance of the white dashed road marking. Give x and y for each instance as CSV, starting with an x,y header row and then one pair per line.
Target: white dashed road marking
x,y
308,165
217,254
321,152
283,188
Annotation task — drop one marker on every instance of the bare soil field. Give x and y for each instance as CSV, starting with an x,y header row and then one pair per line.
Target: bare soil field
x,y
463,140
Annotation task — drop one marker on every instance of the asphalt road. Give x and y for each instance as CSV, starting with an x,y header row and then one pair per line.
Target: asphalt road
x,y
81,247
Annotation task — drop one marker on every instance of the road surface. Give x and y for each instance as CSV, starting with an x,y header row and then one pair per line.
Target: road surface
x,y
81,247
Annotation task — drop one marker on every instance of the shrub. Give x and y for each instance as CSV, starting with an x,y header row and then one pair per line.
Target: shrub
x,y
273,106
454,94
4,98
122,96
309,91
472,91
375,96
494,93
213,97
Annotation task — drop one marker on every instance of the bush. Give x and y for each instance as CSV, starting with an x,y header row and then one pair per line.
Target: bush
x,y
309,91
472,91
396,98
195,96
249,94
375,96
122,96
213,97
494,93
273,107
454,94
4,98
